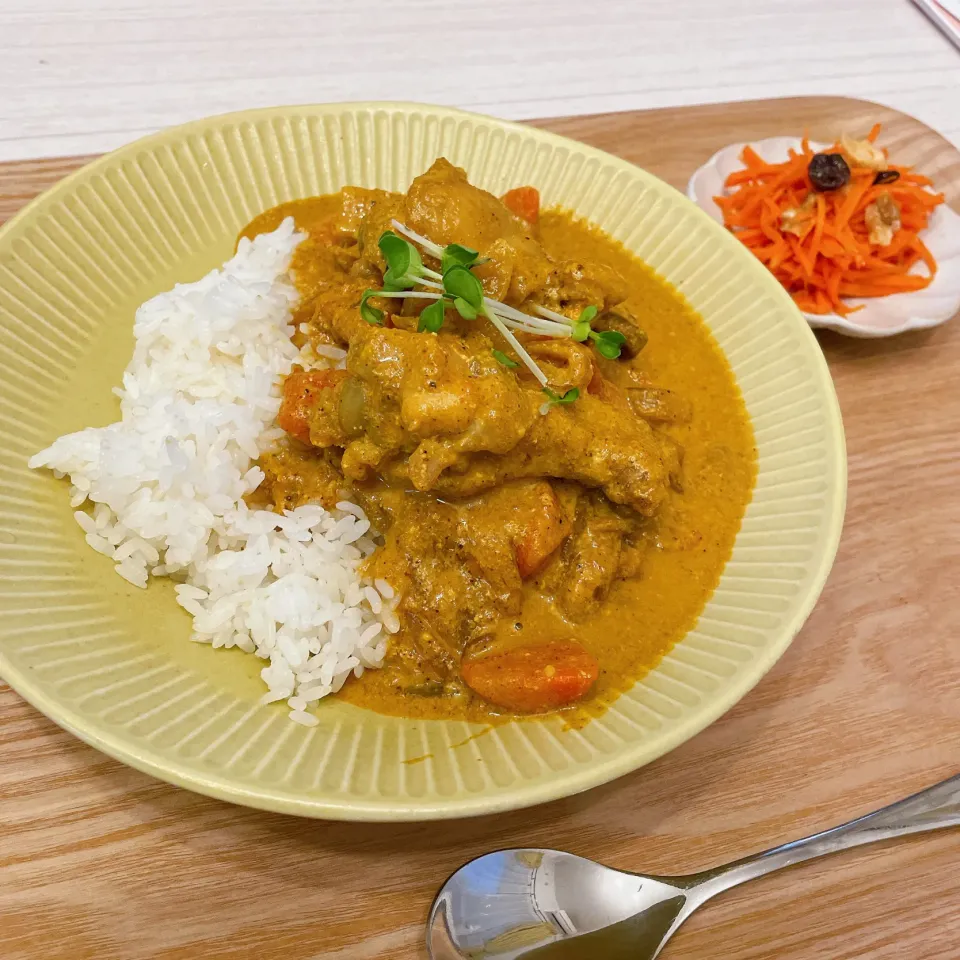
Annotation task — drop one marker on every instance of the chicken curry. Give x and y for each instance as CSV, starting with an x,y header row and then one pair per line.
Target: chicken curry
x,y
546,435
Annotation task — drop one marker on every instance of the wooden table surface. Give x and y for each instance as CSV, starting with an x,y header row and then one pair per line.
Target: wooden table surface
x,y
99,861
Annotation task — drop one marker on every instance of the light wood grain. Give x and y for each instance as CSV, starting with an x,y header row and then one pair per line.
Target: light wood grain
x,y
83,77
99,861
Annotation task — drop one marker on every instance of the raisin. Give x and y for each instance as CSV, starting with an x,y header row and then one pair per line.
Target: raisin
x,y
886,176
828,171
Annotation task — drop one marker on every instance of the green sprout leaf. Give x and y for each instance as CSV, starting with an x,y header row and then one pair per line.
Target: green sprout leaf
x,y
580,330
461,284
392,284
501,357
464,309
555,398
608,343
581,326
372,315
431,318
455,254
404,264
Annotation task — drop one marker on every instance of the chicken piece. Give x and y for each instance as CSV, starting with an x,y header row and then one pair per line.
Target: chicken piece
x,y
458,566
623,321
576,284
377,221
517,270
431,400
529,514
565,363
632,555
606,389
672,454
589,441
359,204
444,206
454,568
659,405
440,413
592,557
325,264
332,313
296,474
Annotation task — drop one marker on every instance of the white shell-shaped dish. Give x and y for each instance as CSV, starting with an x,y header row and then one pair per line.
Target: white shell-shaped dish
x,y
880,316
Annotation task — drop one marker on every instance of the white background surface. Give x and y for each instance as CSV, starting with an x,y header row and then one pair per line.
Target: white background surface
x,y
82,76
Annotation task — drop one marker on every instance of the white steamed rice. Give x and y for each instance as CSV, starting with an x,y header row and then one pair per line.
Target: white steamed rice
x,y
163,487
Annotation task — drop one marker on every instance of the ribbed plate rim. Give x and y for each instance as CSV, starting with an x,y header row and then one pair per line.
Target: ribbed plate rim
x,y
120,745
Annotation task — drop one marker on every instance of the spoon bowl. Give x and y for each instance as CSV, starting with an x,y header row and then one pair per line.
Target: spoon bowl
x,y
533,903
548,905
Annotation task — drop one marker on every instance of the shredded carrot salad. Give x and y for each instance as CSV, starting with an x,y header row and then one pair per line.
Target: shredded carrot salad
x,y
817,242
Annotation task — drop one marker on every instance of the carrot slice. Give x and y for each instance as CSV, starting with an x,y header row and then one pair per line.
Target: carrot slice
x,y
533,679
524,202
300,391
546,528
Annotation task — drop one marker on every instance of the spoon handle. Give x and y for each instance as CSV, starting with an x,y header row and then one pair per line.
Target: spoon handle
x,y
930,809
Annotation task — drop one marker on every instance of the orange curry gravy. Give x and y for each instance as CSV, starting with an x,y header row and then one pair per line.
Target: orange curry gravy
x,y
637,558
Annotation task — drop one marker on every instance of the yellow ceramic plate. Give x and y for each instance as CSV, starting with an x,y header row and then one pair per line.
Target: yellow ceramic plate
x,y
113,664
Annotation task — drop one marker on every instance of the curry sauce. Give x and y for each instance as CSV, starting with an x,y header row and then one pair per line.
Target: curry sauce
x,y
643,480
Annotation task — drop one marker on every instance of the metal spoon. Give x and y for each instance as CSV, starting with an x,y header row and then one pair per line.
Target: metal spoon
x,y
549,905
